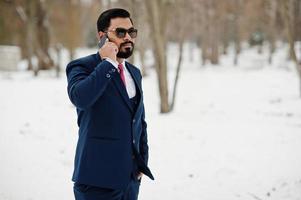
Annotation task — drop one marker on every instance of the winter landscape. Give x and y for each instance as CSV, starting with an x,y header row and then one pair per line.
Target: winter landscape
x,y
235,132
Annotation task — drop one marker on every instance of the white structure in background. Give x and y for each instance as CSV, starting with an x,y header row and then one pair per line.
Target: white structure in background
x,y
10,57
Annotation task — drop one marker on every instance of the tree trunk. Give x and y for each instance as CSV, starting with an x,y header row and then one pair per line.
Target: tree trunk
x,y
204,47
225,36
74,31
29,24
272,48
191,51
58,49
214,53
177,74
142,60
37,34
237,38
204,40
214,36
160,51
43,37
26,15
287,11
236,46
272,13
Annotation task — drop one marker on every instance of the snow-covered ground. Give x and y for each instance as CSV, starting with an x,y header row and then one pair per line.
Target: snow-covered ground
x,y
235,133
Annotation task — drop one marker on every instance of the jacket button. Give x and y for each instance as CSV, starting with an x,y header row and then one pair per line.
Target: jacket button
x,y
112,71
108,75
134,141
134,120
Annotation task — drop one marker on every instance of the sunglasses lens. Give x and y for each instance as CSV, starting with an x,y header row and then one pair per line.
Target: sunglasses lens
x,y
121,32
133,33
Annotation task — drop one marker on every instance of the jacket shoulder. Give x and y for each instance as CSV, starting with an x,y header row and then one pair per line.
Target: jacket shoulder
x,y
88,62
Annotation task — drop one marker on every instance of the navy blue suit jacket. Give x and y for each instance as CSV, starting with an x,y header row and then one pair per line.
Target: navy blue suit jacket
x,y
110,131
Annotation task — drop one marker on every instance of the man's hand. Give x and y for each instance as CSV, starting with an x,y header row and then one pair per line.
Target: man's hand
x,y
108,50
139,176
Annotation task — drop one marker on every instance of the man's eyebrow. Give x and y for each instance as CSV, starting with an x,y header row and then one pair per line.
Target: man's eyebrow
x,y
124,27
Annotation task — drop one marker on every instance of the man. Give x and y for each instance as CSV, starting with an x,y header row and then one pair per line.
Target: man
x,y
112,149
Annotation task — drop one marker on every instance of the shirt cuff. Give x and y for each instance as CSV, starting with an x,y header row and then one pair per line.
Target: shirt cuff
x,y
111,61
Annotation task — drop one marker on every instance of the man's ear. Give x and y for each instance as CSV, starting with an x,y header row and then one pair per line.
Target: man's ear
x,y
100,34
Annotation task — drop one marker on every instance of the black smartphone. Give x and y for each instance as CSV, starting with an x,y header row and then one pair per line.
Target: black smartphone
x,y
102,40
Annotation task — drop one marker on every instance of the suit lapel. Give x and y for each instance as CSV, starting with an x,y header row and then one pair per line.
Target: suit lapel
x,y
122,90
119,85
130,69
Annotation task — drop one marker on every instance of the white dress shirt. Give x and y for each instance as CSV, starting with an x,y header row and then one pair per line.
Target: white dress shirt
x,y
129,82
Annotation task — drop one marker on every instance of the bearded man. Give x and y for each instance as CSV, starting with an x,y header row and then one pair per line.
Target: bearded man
x,y
112,150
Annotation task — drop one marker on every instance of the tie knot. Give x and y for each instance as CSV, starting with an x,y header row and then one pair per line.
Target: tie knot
x,y
120,67
121,72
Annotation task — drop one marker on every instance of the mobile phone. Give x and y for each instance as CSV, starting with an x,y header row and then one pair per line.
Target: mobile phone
x,y
102,40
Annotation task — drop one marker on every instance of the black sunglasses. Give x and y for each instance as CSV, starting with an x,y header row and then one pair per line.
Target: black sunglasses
x,y
121,32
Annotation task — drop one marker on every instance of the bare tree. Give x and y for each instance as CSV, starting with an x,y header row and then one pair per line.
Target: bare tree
x,y
27,16
236,29
73,29
43,36
287,8
143,41
209,37
157,20
183,30
271,10
34,16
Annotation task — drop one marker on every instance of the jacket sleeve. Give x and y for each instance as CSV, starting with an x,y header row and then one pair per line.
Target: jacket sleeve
x,y
143,139
85,86
143,148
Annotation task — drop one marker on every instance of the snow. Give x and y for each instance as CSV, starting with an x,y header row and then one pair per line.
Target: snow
x,y
235,132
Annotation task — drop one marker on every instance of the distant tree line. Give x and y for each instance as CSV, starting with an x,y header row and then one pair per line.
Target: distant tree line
x,y
213,25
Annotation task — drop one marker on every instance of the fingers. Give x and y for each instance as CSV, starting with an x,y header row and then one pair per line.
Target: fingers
x,y
109,50
111,45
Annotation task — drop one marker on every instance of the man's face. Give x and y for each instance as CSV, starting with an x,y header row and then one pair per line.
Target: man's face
x,y
126,44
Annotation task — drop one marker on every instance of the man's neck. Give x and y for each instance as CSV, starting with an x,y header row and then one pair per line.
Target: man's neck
x,y
120,60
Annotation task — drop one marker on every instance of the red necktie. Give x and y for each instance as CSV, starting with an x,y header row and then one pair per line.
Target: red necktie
x,y
121,72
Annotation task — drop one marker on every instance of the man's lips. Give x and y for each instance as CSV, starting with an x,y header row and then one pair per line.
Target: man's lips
x,y
127,46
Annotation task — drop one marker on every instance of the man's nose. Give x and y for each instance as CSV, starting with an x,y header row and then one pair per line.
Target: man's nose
x,y
127,37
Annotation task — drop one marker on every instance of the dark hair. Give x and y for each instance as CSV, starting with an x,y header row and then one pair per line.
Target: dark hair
x,y
104,19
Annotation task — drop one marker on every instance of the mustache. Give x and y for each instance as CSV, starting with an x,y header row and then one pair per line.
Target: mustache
x,y
125,43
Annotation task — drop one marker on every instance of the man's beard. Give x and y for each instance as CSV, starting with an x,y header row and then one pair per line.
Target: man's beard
x,y
127,51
